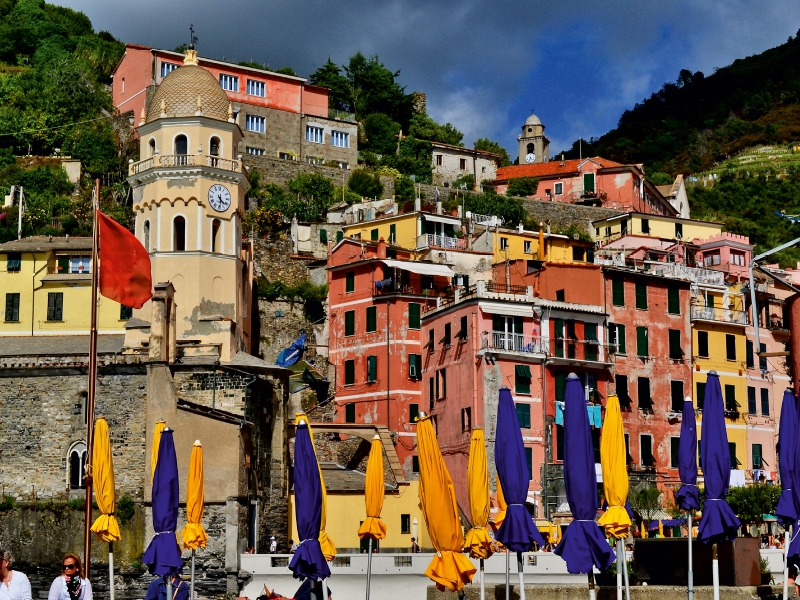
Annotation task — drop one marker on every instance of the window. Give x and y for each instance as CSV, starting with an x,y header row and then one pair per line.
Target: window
x,y
527,247
628,457
55,306
730,346
431,392
645,402
674,451
560,296
79,264
350,282
215,235
372,319
349,372
414,366
14,262
350,323
466,419
618,292
503,243
608,231
675,350
623,227
12,308
522,379
462,332
590,335
229,83
676,394
286,156
446,338
645,225
616,334
167,68
621,385
529,460
340,139
751,400
372,369
438,160
710,301
77,460
315,134
734,461
254,151
405,523
413,413
431,340
764,402
151,148
701,395
578,253
413,315
748,354
559,442
730,398
146,235
762,360
558,189
415,464
641,341
179,234
524,415
641,296
181,148
125,312
646,450
374,234
350,412
588,183
462,164
757,460
679,230
392,233
673,301
256,88
702,344
254,123
441,384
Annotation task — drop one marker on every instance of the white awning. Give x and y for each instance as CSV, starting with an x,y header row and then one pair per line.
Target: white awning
x,y
421,268
443,219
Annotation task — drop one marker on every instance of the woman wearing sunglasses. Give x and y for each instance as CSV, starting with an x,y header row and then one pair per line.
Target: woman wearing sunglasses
x,y
71,585
13,584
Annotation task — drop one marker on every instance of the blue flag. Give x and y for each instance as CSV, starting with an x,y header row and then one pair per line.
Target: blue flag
x,y
292,354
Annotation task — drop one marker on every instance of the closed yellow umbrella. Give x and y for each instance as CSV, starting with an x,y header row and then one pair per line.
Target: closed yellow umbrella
x,y
449,568
160,425
193,534
551,533
660,528
374,488
501,505
105,526
478,541
325,541
613,456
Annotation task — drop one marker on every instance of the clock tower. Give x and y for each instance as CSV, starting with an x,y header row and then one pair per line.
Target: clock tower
x,y
534,147
189,199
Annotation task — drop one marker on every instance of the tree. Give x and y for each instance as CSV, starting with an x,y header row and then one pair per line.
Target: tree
x,y
381,134
365,184
646,502
309,197
489,203
522,186
330,76
403,188
423,127
752,502
488,145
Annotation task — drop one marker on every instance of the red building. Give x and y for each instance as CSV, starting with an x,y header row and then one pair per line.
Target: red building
x,y
377,295
594,181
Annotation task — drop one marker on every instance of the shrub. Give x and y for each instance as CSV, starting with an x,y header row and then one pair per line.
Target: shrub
x,y
365,184
522,186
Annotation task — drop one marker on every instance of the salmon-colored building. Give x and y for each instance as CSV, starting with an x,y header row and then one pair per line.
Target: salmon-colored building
x,y
595,181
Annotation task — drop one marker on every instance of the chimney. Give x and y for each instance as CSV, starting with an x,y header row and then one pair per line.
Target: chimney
x,y
417,204
162,324
542,252
381,248
562,159
438,207
520,228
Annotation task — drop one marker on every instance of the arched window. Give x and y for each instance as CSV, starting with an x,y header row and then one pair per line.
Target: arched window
x,y
181,150
530,148
146,235
151,148
179,234
214,151
215,235
76,459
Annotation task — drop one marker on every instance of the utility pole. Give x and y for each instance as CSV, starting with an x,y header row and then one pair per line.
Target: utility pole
x,y
19,220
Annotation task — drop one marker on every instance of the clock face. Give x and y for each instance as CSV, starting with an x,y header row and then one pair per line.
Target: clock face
x,y
219,198
530,157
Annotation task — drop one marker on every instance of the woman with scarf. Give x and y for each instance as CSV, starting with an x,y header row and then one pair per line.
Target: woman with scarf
x,y
71,585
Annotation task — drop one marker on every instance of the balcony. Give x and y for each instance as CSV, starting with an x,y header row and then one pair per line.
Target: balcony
x,y
429,240
718,314
513,342
185,160
483,289
580,350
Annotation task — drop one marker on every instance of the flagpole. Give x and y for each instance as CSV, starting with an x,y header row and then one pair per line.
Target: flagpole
x,y
87,478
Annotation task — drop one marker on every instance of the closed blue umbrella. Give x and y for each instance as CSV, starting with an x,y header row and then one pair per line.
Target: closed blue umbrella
x,y
163,556
787,428
518,531
718,522
308,559
688,496
583,544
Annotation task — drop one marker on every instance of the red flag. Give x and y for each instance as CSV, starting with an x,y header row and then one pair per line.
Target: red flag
x,y
124,265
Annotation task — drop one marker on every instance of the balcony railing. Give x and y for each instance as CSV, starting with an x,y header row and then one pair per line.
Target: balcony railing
x,y
429,240
718,313
184,160
587,350
514,342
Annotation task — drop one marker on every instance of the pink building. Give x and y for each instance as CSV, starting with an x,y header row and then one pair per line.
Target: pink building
x,y
726,252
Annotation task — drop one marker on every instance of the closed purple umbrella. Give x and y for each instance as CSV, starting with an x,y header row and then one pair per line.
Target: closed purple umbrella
x,y
583,544
163,556
793,456
786,512
308,560
688,496
718,522
518,531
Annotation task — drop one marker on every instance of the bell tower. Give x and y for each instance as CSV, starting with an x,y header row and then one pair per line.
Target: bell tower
x,y
189,199
534,147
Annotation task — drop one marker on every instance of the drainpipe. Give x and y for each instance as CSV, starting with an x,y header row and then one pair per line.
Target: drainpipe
x,y
388,368
33,290
544,438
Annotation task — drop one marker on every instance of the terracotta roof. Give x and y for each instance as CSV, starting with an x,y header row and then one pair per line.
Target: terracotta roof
x,y
552,168
43,243
180,89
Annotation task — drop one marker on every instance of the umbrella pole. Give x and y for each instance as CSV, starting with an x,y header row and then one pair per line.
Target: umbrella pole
x,y
481,579
620,567
521,577
592,595
508,571
625,571
192,590
786,564
715,571
691,568
324,590
168,580
111,570
369,567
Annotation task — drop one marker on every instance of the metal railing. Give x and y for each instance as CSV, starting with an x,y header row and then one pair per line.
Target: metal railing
x,y
429,240
591,350
184,160
515,342
719,313
504,288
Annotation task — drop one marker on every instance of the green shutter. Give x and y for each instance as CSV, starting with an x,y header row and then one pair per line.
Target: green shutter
x,y
522,379
621,339
702,344
674,301
413,316
730,397
751,400
373,234
674,452
125,312
498,323
618,292
675,350
641,296
710,301
561,381
413,412
748,354
350,413
349,372
764,402
559,329
588,182
734,461
641,341
415,361
323,236
529,460
701,395
757,463
350,322
524,415
350,282
372,368
372,319
12,307
339,236
393,233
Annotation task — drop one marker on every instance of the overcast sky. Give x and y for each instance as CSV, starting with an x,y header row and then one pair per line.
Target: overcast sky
x,y
483,65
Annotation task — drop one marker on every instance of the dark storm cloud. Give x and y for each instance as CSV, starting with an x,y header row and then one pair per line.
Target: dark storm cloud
x,y
484,65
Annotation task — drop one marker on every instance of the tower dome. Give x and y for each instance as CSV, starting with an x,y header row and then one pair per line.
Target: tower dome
x,y
187,90
533,120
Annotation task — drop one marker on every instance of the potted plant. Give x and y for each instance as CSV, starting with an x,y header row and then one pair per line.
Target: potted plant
x,y
766,575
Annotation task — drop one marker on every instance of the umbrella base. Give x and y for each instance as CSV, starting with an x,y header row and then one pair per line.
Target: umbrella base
x,y
578,592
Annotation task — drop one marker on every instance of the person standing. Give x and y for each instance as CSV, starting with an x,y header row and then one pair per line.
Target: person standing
x,y
158,589
71,585
414,546
273,545
14,585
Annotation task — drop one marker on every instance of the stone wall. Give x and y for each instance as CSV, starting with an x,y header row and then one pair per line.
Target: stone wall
x,y
561,215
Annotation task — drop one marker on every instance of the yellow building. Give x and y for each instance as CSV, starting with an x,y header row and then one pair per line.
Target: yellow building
x,y
46,285
518,244
402,512
658,226
416,230
719,343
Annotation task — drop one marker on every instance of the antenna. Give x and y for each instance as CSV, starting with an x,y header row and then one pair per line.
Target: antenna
x,y
192,37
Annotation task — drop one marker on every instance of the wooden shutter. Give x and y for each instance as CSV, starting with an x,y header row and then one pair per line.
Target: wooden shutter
x,y
641,341
372,318
350,322
751,400
641,295
674,301
413,315
618,292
